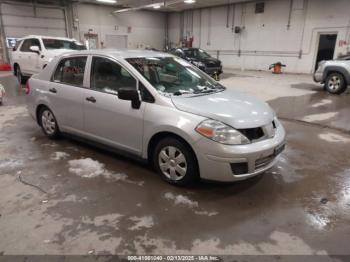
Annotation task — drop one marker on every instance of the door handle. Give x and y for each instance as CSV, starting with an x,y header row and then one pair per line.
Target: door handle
x,y
53,90
91,99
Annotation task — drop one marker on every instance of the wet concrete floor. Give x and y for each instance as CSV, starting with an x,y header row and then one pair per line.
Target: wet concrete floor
x,y
91,201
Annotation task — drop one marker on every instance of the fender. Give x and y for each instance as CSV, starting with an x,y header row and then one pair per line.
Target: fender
x,y
339,69
166,129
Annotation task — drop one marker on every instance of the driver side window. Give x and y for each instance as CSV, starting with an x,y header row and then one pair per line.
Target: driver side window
x,y
108,76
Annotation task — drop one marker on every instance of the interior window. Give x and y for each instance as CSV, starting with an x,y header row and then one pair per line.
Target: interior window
x,y
108,76
71,71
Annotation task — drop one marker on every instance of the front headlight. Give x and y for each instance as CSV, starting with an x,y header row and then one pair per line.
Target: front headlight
x,y
221,133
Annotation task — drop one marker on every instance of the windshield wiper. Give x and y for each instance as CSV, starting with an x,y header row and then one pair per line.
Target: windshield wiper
x,y
207,90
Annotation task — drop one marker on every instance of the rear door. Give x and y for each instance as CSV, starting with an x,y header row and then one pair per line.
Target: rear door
x,y
107,118
66,93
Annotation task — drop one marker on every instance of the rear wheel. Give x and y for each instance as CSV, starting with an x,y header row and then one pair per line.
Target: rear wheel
x,y
48,123
175,162
335,83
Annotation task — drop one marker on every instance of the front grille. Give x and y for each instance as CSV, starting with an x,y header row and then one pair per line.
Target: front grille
x,y
263,162
252,133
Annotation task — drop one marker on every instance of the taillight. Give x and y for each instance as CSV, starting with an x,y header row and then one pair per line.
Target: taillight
x,y
27,88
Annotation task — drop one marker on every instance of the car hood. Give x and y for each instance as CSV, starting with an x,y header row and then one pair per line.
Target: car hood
x,y
211,59
230,107
206,60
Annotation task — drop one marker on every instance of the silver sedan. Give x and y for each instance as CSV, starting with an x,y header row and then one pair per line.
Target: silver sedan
x,y
159,108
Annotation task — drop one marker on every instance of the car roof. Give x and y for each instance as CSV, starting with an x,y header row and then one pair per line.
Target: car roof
x,y
121,53
49,37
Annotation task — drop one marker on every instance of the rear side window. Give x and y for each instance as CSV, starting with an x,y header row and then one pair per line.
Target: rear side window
x,y
28,43
70,71
108,76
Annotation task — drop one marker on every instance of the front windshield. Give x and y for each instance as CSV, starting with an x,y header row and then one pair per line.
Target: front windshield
x,y
175,76
197,53
50,43
202,54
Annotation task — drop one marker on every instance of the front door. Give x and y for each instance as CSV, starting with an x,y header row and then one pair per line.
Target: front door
x,y
107,118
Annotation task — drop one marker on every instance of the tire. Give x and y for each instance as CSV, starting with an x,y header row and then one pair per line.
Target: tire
x,y
20,78
48,123
175,162
335,83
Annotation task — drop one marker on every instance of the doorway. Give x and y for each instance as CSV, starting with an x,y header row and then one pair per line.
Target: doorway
x,y
326,47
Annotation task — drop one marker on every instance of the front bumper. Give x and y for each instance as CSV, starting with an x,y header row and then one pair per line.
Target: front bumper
x,y
318,77
213,70
215,160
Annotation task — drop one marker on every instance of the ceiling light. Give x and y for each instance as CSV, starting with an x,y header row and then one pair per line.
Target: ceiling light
x,y
107,1
157,6
189,1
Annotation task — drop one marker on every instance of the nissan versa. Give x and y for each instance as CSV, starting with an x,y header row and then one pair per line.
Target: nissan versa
x,y
158,107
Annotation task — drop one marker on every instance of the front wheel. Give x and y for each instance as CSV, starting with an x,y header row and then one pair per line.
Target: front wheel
x,y
48,123
335,83
175,162
20,78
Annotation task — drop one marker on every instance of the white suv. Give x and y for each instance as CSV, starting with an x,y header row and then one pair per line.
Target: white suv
x,y
32,53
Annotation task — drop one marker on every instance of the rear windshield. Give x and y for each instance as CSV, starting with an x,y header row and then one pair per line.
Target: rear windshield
x,y
50,43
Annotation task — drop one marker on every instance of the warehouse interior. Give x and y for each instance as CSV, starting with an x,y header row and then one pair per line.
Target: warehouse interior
x,y
68,197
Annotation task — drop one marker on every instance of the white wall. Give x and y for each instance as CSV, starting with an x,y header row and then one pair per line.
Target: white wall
x,y
23,20
266,38
147,28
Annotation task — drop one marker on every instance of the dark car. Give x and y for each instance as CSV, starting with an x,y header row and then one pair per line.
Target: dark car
x,y
200,59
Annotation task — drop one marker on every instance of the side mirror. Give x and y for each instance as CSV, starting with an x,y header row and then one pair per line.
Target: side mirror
x,y
35,49
130,94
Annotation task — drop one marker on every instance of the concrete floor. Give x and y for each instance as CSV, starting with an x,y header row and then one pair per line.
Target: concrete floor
x,y
300,207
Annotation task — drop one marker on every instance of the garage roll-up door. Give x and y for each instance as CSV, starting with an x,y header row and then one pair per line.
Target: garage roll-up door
x,y
24,20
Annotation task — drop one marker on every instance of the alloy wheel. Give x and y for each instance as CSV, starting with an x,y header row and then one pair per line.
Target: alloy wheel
x,y
48,122
334,83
